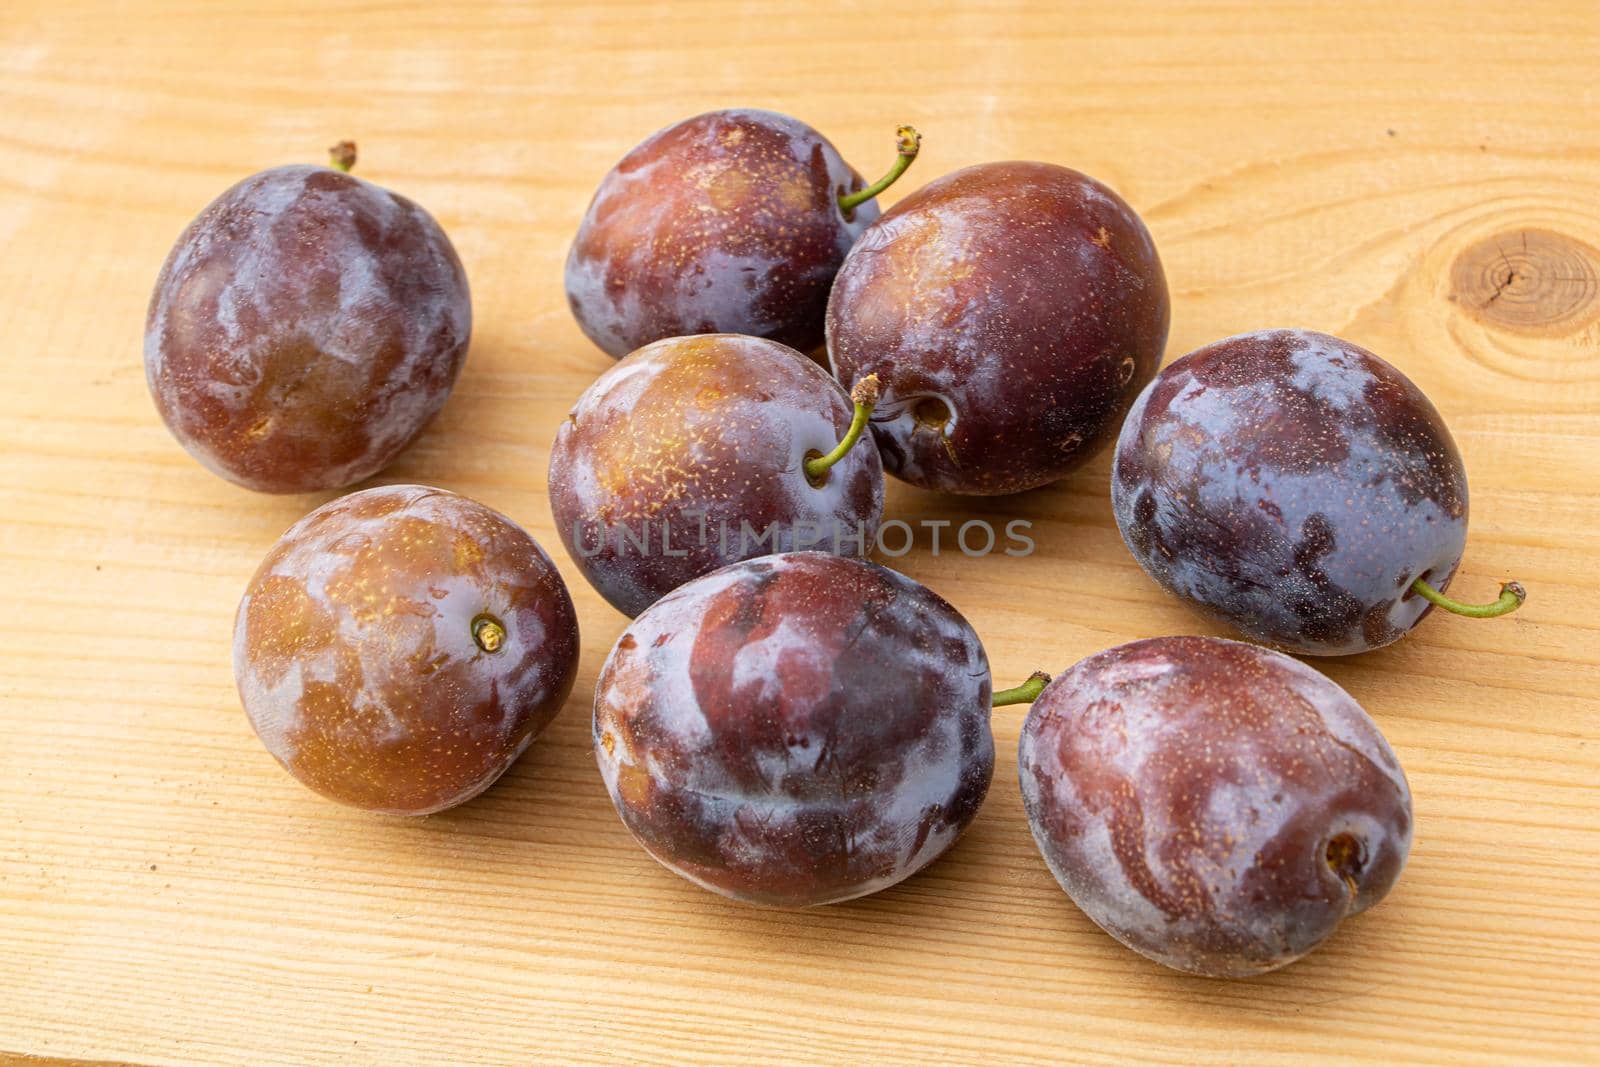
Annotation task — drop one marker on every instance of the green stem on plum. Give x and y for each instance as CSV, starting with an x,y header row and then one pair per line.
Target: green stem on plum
x,y
342,156
907,140
864,395
1026,693
1511,597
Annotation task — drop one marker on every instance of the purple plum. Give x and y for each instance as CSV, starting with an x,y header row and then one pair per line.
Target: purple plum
x,y
1011,311
696,452
729,222
1296,487
1216,806
305,329
797,729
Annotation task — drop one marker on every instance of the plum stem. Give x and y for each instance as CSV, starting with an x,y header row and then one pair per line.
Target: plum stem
x,y
342,156
864,395
1026,693
1511,597
907,141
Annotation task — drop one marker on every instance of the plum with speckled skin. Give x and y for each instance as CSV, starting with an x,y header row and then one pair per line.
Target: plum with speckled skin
x,y
728,222
797,729
1011,312
1294,486
305,329
400,647
688,455
1216,806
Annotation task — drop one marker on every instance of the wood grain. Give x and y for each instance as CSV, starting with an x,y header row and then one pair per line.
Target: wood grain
x,y
1423,178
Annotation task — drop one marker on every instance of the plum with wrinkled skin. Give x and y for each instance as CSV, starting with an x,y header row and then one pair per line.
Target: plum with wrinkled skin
x,y
1011,312
728,222
400,647
688,455
795,730
1215,806
305,329
1292,485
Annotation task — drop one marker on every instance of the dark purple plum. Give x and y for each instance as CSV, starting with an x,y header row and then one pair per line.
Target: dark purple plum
x,y
399,648
305,329
797,729
696,452
1296,487
1216,806
1011,312
729,222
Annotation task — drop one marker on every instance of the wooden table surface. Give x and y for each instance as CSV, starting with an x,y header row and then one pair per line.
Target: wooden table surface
x,y
1422,178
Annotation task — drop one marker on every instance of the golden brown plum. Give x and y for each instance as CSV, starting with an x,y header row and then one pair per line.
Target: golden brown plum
x,y
797,729
1295,486
728,222
1213,805
1012,311
400,647
304,330
692,453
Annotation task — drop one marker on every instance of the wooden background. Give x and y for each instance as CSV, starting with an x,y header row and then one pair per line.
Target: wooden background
x,y
1423,178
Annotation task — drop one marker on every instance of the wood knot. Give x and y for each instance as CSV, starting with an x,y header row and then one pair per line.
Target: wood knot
x,y
1531,281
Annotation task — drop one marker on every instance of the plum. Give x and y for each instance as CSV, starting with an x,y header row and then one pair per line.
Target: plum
x,y
728,222
1298,488
797,729
305,328
1213,805
1011,312
400,647
696,452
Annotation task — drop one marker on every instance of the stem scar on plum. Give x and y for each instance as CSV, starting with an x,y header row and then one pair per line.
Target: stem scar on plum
x,y
864,395
1345,858
907,143
488,633
932,414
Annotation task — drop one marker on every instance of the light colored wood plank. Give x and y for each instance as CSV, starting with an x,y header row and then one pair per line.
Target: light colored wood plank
x,y
168,896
